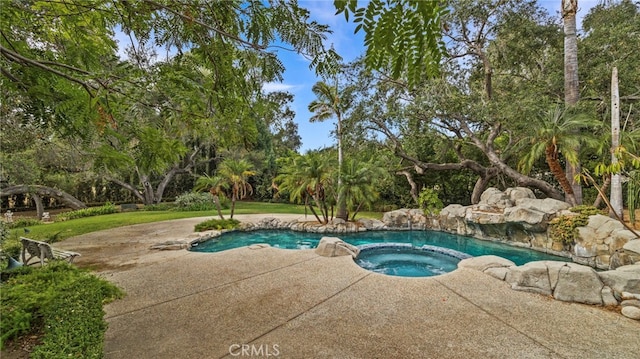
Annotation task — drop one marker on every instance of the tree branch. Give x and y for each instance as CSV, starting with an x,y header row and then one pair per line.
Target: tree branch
x,y
214,29
15,57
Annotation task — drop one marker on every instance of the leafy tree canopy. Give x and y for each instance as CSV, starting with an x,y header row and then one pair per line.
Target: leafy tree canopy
x,y
62,56
401,35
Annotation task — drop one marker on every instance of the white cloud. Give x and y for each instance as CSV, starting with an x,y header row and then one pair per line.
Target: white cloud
x,y
342,37
277,86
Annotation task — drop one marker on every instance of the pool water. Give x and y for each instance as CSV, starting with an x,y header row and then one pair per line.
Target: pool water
x,y
304,240
404,260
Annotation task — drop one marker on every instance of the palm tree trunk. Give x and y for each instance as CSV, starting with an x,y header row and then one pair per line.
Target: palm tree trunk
x,y
571,85
616,181
317,201
342,206
233,202
558,173
216,200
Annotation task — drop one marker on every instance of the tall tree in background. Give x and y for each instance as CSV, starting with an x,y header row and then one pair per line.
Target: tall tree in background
x,y
571,84
328,104
616,181
236,173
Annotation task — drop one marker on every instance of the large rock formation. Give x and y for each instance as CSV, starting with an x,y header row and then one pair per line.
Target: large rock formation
x,y
335,226
516,216
569,282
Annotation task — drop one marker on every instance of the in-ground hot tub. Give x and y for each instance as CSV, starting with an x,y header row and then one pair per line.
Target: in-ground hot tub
x,y
406,260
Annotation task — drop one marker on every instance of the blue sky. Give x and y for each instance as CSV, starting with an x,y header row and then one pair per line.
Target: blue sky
x,y
298,78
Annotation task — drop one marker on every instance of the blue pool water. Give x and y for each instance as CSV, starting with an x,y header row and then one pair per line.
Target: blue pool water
x,y
405,260
303,240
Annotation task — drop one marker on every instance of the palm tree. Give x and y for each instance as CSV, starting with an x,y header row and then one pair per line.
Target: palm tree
x,y
307,177
328,105
236,173
359,184
571,85
215,186
555,133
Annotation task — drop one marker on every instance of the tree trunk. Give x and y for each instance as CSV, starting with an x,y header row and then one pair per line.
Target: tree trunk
x,y
412,184
571,84
234,196
481,185
39,206
341,200
558,173
518,177
311,206
605,186
216,201
616,182
128,187
44,191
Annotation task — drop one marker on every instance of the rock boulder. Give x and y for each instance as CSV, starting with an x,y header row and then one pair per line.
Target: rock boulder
x,y
335,247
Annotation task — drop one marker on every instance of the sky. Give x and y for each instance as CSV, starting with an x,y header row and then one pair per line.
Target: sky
x,y
299,79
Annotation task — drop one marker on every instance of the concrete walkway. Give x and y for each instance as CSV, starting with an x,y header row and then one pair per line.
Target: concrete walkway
x,y
272,302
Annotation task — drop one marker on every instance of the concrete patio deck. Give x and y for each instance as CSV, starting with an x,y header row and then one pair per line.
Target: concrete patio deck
x,y
272,302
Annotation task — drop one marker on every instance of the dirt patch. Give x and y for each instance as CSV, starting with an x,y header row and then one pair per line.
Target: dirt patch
x,y
22,346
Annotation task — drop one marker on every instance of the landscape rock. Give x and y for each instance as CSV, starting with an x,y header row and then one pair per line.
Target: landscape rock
x,y
531,219
631,312
598,220
497,272
578,283
396,219
531,277
547,205
633,246
516,194
608,299
495,198
622,280
627,295
335,247
483,263
515,215
630,302
371,224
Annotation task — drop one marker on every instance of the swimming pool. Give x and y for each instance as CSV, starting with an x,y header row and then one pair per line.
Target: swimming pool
x,y
304,240
405,260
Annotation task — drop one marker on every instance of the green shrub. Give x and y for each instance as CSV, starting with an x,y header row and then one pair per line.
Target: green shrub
x,y
195,201
4,232
564,229
429,201
217,224
586,210
9,245
108,208
23,223
64,301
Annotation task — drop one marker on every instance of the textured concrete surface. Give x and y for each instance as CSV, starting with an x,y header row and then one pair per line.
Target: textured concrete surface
x,y
272,302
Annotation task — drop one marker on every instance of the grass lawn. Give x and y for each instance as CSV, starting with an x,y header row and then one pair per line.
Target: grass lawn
x,y
58,231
